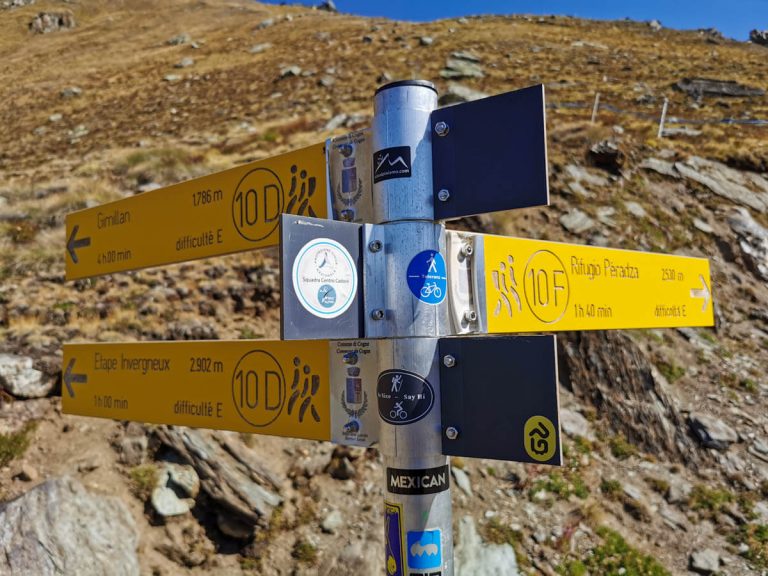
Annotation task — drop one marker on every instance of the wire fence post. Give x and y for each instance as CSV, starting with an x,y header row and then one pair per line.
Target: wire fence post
x,y
595,107
663,118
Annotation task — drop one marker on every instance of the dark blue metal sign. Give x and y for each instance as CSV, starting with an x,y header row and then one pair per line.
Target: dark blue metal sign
x,y
490,154
500,397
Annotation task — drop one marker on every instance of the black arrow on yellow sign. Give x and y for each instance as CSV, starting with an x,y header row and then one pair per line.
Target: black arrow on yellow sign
x,y
70,378
74,243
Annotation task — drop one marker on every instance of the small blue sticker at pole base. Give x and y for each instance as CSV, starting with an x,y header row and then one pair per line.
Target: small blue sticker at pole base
x,y
425,551
427,277
393,536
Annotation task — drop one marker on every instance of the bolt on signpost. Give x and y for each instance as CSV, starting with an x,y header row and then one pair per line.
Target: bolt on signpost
x,y
382,309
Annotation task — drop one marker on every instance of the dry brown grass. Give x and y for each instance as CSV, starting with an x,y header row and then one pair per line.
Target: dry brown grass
x,y
125,99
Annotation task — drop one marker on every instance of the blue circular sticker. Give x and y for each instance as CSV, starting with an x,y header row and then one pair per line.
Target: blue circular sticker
x,y
326,296
427,277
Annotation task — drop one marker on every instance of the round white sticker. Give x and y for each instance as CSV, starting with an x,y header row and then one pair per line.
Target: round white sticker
x,y
324,278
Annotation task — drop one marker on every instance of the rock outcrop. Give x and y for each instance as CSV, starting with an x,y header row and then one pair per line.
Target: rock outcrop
x,y
20,378
46,22
745,188
698,87
759,37
753,241
244,489
60,528
474,557
612,373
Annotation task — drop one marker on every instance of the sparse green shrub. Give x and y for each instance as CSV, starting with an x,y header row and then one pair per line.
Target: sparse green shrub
x,y
613,557
582,445
306,513
708,336
305,552
658,484
142,480
248,334
611,488
749,385
499,533
671,372
620,448
270,136
561,485
755,536
709,502
250,565
15,444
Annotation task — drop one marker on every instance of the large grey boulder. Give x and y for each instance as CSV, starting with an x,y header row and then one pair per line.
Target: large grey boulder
x,y
473,557
59,528
461,66
576,221
712,432
20,379
456,93
705,561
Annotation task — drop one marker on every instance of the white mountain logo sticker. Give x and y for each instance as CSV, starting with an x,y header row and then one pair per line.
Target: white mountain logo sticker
x,y
418,550
392,162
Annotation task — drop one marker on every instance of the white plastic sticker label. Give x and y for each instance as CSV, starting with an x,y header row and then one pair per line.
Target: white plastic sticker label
x,y
324,278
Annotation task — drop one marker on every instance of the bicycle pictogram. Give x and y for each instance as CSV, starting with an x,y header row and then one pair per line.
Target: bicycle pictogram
x,y
398,412
431,289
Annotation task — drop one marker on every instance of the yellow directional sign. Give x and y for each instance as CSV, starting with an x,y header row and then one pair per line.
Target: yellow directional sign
x,y
534,286
262,387
231,211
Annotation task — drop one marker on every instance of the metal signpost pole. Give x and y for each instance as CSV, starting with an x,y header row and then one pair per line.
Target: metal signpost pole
x,y
408,307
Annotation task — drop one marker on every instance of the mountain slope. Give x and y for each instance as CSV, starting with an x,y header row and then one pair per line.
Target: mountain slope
x,y
633,401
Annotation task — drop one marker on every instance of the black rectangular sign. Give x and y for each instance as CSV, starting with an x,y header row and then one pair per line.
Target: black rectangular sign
x,y
500,394
391,163
492,154
428,481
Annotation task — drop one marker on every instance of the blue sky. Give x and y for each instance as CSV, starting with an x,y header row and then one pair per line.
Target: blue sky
x,y
734,18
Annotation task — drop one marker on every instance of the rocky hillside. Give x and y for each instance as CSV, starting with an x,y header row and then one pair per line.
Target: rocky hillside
x,y
666,430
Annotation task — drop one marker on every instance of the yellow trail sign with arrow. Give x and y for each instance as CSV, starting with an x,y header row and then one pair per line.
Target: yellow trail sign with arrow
x,y
231,211
534,286
262,387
